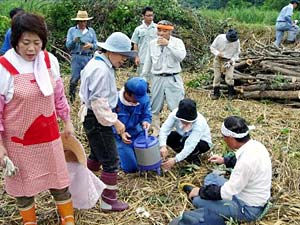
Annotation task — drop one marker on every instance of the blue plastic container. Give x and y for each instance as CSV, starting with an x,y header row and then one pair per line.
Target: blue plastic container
x,y
147,153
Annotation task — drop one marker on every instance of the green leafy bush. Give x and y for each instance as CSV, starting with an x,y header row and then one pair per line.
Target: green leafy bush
x,y
4,25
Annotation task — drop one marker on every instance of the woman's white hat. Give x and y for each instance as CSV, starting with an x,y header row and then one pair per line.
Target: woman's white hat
x,y
119,43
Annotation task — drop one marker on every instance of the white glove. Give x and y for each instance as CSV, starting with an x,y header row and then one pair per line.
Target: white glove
x,y
227,64
9,169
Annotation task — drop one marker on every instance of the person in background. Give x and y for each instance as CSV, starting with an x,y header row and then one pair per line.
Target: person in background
x,y
190,138
284,22
134,112
141,38
82,42
31,97
163,60
245,195
6,43
99,96
226,49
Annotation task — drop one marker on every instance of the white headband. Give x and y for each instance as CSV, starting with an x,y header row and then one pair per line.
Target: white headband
x,y
229,133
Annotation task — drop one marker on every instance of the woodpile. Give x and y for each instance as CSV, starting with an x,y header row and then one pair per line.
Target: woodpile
x,y
268,72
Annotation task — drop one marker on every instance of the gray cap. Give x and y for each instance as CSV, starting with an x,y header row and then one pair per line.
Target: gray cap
x,y
119,43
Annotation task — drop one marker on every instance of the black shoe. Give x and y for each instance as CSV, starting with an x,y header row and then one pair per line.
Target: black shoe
x,y
186,187
216,93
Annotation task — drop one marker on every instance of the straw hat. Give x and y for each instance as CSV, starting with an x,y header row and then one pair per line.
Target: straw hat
x,y
119,43
82,15
74,151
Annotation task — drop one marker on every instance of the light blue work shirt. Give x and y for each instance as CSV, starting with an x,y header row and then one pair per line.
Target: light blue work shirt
x,y
98,81
76,47
142,36
285,14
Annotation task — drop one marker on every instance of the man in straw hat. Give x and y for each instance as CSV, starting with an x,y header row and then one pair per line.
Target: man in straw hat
x,y
226,48
245,195
134,111
163,60
190,138
81,41
98,94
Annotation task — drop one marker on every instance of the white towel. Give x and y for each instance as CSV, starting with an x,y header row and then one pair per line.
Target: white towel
x,y
42,75
38,67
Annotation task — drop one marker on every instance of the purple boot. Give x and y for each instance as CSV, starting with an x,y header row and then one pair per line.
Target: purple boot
x,y
93,165
109,195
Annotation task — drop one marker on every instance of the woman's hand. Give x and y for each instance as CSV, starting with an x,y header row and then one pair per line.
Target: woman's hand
x,y
3,153
120,127
68,129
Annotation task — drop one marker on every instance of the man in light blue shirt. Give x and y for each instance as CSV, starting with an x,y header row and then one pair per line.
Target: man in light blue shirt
x,y
6,43
284,21
141,38
82,42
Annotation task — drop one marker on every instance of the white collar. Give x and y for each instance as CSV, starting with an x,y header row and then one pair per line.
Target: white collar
x,y
124,101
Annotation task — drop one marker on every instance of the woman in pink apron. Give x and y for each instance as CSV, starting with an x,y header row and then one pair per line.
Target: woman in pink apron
x,y
31,98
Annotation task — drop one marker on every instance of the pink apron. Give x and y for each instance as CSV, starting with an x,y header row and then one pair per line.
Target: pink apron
x,y
31,137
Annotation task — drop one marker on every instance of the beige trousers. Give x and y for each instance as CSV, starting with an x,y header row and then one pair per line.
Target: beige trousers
x,y
219,70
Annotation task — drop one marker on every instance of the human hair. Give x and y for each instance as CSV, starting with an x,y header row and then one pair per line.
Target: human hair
x,y
237,125
147,8
165,22
27,22
293,2
129,92
15,11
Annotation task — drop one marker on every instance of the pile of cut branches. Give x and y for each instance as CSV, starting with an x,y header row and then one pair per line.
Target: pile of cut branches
x,y
268,72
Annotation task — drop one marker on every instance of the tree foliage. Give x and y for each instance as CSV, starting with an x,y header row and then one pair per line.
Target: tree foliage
x,y
219,4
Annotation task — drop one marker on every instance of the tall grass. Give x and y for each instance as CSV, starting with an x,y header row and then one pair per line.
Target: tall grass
x,y
251,15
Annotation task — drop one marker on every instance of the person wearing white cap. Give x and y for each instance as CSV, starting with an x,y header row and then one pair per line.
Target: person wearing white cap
x,y
190,138
134,111
82,42
99,96
245,195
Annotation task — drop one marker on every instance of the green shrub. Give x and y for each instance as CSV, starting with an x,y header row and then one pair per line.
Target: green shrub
x,y
4,25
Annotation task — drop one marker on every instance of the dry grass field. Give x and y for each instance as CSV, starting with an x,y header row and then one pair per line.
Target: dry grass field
x,y
277,126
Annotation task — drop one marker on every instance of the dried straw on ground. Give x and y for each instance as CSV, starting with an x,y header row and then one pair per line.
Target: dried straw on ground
x,y
276,126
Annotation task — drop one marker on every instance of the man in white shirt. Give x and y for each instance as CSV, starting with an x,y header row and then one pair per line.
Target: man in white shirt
x,y
163,60
190,138
141,38
244,196
284,22
226,48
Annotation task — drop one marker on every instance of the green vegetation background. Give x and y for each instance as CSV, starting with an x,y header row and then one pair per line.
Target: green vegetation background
x,y
197,21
